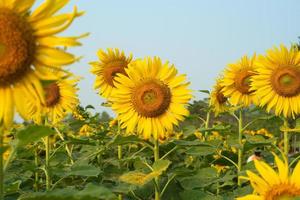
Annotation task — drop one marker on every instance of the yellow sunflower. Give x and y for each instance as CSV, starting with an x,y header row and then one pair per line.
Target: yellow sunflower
x,y
277,82
236,82
218,102
60,99
272,185
29,45
110,64
151,99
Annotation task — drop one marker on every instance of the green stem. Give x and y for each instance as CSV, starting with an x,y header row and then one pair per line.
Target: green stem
x,y
120,196
156,158
47,164
36,174
286,147
207,122
218,185
68,150
10,158
240,150
1,166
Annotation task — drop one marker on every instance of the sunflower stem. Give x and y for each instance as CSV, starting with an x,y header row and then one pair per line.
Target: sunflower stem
x,y
286,146
36,173
240,149
207,122
47,163
68,150
120,197
1,166
47,159
156,158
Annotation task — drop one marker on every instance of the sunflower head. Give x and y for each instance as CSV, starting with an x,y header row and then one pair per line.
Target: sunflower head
x,y
60,99
150,98
17,44
218,102
236,82
277,82
274,185
110,64
29,46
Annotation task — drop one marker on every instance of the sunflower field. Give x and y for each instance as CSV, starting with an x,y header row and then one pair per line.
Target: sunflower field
x,y
239,142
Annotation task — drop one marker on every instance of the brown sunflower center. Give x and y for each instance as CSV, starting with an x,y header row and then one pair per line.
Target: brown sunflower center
x,y
220,97
17,46
152,98
283,192
286,81
111,70
52,94
242,81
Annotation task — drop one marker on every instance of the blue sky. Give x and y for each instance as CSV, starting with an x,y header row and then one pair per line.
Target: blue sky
x,y
199,37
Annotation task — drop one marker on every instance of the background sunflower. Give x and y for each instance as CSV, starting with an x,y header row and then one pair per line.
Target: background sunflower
x,y
218,102
109,65
236,82
60,99
151,99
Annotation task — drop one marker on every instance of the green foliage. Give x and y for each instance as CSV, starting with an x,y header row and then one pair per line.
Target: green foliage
x,y
85,165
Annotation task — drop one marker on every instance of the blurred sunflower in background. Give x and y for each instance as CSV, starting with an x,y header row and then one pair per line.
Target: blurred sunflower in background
x,y
109,65
277,82
218,102
60,99
151,98
28,46
271,185
236,82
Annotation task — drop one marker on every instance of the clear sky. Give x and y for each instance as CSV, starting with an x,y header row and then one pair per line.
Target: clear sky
x,y
199,37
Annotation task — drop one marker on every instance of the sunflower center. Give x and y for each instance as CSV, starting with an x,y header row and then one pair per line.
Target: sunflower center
x,y
52,94
152,98
220,97
242,81
17,46
284,191
112,70
286,81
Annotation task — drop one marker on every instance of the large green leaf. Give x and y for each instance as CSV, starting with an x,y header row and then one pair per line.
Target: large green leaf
x,y
91,192
197,195
84,170
201,151
31,134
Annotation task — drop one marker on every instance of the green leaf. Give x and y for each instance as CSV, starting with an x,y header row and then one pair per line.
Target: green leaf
x,y
91,192
121,140
201,151
204,91
13,187
161,165
31,134
89,107
139,178
84,170
197,195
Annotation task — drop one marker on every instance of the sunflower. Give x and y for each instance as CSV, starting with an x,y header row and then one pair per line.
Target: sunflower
x,y
60,99
277,81
272,185
152,98
236,82
29,45
218,102
111,63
